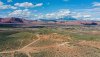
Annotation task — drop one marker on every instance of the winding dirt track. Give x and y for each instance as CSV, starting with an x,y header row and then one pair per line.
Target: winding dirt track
x,y
20,50
27,49
30,44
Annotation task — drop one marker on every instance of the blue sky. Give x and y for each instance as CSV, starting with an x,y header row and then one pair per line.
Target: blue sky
x,y
35,9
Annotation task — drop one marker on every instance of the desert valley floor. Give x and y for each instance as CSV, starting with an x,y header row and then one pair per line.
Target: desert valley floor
x,y
47,42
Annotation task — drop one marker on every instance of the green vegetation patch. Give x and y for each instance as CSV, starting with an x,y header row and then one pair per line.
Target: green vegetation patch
x,y
15,40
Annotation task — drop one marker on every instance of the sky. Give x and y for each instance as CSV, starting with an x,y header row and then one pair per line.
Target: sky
x,y
50,9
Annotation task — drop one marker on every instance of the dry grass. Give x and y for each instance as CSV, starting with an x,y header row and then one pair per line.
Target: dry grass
x,y
53,44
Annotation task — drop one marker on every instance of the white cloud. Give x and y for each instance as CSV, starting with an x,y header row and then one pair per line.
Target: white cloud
x,y
39,4
9,0
16,5
55,15
1,3
82,15
13,7
27,4
93,12
4,6
20,13
98,19
7,7
86,16
76,15
96,4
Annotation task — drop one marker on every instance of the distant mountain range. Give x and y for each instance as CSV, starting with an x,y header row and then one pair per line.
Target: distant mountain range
x,y
13,20
20,22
